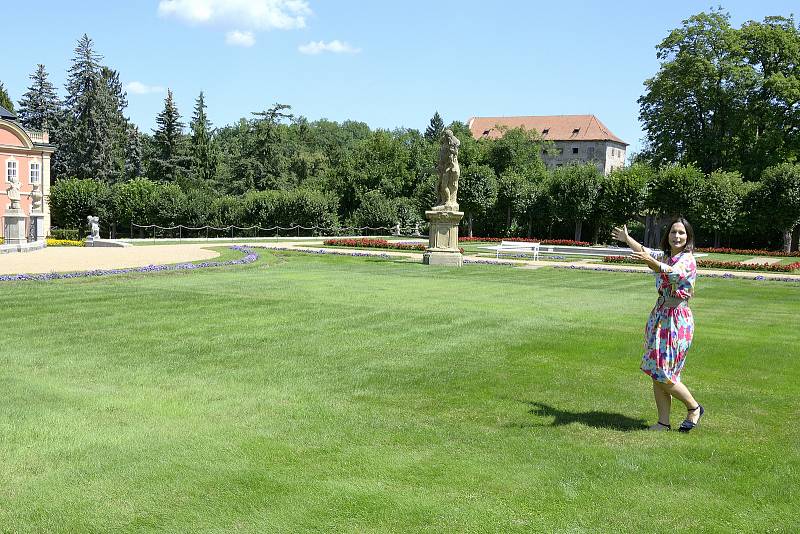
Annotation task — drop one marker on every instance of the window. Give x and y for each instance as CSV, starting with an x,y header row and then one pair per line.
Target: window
x,y
591,152
486,132
546,131
576,130
11,170
574,150
560,151
36,172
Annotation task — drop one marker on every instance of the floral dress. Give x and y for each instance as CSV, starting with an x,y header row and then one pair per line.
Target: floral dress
x,y
670,327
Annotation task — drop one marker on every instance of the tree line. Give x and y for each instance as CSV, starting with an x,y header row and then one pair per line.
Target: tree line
x,y
278,168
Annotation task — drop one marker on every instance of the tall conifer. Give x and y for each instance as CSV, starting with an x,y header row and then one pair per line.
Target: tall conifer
x,y
169,161
39,106
204,158
5,100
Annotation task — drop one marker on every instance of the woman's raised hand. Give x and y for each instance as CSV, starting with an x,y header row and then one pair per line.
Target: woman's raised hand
x,y
620,233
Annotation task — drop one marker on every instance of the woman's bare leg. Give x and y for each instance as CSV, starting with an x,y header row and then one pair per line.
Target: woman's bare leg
x,y
663,402
681,392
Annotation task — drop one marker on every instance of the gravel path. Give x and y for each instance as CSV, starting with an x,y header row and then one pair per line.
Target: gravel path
x,y
69,259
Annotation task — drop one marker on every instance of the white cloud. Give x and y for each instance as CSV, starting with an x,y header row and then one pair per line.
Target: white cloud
x,y
138,88
335,46
250,14
237,38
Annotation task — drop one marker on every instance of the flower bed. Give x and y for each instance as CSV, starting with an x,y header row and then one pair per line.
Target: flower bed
x,y
250,257
715,264
51,242
749,252
365,242
556,242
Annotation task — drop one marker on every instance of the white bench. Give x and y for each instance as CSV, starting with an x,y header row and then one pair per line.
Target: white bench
x,y
518,247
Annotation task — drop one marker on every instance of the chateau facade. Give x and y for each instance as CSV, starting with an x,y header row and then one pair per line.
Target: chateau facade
x,y
575,138
25,166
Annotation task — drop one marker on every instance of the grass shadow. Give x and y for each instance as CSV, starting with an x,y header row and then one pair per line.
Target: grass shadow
x,y
594,418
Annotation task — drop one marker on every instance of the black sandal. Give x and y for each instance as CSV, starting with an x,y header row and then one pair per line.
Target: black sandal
x,y
687,425
659,423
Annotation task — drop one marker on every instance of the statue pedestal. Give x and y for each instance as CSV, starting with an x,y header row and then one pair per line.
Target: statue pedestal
x,y
97,242
37,226
14,227
443,243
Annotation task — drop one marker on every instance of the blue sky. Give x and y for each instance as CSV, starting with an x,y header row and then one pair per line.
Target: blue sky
x,y
387,63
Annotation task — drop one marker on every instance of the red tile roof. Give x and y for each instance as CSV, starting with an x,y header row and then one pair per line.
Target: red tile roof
x,y
550,127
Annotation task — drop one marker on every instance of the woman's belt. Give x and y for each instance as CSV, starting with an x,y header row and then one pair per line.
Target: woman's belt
x,y
672,302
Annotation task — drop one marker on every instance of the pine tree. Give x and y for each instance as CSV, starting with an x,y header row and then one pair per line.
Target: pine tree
x,y
88,132
169,161
114,100
434,130
204,157
133,153
5,100
39,106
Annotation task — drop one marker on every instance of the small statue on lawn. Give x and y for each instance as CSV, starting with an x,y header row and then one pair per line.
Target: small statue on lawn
x,y
449,172
94,223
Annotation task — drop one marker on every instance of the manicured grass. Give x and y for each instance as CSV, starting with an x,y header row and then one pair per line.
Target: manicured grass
x,y
314,393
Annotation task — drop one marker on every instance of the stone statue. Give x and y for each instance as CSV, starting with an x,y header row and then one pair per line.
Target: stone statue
x,y
13,193
94,222
449,172
396,230
36,198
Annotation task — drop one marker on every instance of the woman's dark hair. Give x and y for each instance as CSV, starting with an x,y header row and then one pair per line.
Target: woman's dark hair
x,y
689,236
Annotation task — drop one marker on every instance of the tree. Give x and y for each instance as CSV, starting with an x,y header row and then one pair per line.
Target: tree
x,y
518,150
435,128
134,168
477,192
575,189
772,50
135,203
266,147
725,98
169,161
780,197
623,194
670,192
39,106
375,211
113,100
693,108
72,200
719,202
87,138
5,100
511,187
204,157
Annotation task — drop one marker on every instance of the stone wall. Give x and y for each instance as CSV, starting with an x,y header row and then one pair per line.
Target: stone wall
x,y
607,155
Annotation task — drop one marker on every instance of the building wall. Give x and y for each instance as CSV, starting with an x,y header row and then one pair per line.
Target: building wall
x,y
12,148
607,155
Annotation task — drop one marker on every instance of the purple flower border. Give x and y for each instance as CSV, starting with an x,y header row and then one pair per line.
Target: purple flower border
x,y
250,257
704,275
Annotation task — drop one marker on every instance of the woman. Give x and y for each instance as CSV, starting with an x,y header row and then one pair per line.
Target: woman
x,y
671,326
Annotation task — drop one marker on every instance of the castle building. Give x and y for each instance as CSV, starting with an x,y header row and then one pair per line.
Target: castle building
x,y
575,138
25,166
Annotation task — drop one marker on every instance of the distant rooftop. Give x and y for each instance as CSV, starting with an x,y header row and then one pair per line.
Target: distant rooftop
x,y
549,127
7,115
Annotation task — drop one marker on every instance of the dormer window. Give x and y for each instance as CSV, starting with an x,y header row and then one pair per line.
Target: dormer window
x,y
576,130
546,131
486,132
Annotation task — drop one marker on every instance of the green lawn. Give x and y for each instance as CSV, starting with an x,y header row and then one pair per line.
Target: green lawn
x,y
308,393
